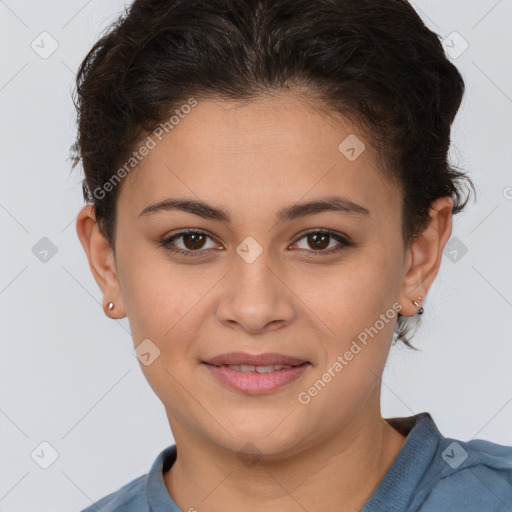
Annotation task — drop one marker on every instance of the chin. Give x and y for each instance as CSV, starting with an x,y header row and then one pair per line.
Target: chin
x,y
258,444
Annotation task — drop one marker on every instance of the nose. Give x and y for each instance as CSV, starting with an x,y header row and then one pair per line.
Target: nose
x,y
255,297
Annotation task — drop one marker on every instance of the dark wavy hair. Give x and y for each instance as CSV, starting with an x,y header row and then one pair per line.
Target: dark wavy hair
x,y
373,61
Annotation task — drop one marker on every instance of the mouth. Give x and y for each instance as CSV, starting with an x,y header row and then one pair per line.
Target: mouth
x,y
265,362
256,379
247,368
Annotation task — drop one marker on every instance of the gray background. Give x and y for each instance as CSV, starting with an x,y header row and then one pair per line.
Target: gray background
x,y
68,374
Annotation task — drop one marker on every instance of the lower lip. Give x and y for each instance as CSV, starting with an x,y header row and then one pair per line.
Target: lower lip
x,y
255,383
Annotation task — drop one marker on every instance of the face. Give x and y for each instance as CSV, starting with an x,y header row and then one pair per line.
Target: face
x,y
256,281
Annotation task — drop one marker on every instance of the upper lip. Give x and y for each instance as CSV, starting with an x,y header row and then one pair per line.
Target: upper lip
x,y
268,359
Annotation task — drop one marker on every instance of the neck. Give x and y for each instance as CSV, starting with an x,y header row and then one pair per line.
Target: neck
x,y
340,472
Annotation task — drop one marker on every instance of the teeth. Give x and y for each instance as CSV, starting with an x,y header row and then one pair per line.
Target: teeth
x,y
260,369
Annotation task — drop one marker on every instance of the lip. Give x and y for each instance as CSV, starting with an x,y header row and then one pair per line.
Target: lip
x,y
254,383
266,359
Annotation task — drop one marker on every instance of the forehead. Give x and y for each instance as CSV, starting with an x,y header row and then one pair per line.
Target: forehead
x,y
273,149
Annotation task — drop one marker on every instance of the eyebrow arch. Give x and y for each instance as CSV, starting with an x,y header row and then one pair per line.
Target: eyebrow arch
x,y
206,211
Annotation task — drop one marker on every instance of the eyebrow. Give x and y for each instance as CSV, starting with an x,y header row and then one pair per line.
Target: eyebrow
x,y
206,211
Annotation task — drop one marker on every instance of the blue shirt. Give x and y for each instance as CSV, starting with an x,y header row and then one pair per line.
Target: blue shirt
x,y
431,473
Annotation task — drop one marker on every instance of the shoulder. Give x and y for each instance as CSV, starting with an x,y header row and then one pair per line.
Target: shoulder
x,y
129,498
470,476
135,495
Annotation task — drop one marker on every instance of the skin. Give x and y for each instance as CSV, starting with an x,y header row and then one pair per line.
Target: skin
x,y
253,159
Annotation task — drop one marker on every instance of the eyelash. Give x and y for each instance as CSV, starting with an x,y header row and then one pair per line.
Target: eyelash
x,y
344,242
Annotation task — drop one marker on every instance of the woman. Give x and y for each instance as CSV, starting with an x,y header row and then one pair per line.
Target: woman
x,y
270,196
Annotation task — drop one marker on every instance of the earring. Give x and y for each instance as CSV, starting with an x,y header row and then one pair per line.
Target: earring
x,y
110,306
420,310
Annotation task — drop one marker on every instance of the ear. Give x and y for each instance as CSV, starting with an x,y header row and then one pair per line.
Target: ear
x,y
101,261
423,258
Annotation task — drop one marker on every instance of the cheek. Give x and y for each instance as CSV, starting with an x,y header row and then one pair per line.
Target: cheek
x,y
145,305
156,293
167,313
165,304
358,289
353,308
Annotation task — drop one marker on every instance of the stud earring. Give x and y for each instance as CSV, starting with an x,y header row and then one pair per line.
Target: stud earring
x,y
420,310
110,306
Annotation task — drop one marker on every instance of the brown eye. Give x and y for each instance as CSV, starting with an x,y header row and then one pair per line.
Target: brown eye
x,y
323,242
190,242
193,241
318,240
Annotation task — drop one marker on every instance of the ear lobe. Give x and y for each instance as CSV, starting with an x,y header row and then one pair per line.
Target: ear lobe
x,y
101,260
425,255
